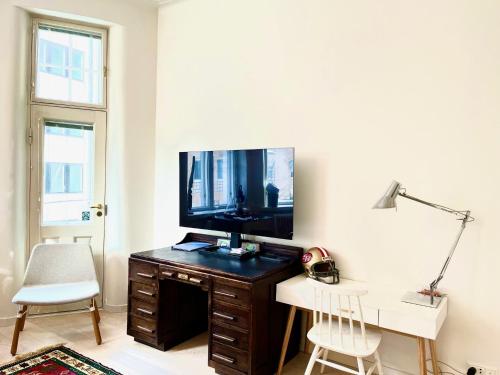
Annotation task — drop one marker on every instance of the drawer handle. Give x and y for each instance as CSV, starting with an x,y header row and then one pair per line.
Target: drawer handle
x,y
145,311
183,276
225,294
168,273
224,316
145,329
223,358
151,294
195,280
148,275
225,338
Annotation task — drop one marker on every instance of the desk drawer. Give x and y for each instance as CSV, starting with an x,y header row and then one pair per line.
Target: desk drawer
x,y
190,277
228,292
229,357
144,292
228,314
145,326
142,308
143,272
229,337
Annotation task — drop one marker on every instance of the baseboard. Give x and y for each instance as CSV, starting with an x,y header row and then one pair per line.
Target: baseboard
x,y
115,308
6,322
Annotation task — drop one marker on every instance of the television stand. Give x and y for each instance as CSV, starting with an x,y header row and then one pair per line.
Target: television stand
x,y
172,292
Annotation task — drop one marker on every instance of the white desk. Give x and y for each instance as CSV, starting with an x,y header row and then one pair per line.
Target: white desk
x,y
382,307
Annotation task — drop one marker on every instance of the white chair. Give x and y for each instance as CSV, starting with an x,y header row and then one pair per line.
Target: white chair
x,y
57,274
342,335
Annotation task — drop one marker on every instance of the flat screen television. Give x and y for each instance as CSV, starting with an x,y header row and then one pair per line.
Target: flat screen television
x,y
238,191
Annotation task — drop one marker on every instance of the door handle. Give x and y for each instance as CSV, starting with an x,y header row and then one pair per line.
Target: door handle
x,y
98,206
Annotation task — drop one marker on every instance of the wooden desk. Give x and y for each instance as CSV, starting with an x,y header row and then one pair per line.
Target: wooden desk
x,y
382,307
174,295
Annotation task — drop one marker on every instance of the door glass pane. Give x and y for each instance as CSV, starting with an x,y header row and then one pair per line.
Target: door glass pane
x,y
69,65
68,170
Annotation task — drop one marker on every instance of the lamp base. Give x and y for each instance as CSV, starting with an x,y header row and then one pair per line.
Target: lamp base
x,y
420,299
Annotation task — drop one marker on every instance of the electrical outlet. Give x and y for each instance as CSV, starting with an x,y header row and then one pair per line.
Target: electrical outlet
x,y
483,370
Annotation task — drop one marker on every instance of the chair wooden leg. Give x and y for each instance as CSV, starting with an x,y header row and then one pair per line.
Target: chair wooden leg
x,y
312,360
17,329
23,319
379,363
434,357
288,331
94,315
361,366
97,311
325,357
422,356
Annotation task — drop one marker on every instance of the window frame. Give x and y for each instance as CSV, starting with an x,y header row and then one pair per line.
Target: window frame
x,y
66,178
208,174
101,31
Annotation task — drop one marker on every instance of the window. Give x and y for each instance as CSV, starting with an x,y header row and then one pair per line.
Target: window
x,y
68,63
63,178
279,172
220,173
212,180
68,170
197,170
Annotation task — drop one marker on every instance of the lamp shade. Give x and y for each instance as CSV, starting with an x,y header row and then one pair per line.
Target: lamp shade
x,y
388,200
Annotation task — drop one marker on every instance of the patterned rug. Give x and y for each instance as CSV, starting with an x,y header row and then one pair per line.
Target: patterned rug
x,y
56,360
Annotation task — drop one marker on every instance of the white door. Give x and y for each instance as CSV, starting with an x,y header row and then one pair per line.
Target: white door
x,y
67,182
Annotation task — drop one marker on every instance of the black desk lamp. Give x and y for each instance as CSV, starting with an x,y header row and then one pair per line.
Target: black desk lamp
x,y
388,200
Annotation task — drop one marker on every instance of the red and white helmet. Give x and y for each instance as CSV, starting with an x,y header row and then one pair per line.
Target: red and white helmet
x,y
319,265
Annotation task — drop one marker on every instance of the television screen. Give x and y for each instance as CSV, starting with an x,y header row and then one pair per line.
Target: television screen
x,y
238,191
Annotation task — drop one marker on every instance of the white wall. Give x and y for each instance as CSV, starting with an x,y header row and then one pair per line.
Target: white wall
x,y
366,91
130,152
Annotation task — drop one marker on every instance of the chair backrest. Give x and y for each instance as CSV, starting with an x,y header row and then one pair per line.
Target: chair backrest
x,y
60,263
343,303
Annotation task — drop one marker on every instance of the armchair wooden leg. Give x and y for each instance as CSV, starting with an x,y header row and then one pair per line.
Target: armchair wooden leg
x,y
97,311
23,319
18,328
94,314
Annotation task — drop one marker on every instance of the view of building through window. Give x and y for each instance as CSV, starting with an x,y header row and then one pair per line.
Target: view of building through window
x,y
214,177
279,171
69,65
67,171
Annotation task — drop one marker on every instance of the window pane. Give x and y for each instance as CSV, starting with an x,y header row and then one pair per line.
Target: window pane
x,y
69,65
279,170
54,178
73,178
68,160
222,178
199,183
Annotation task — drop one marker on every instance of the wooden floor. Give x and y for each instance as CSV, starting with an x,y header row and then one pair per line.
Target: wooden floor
x,y
118,350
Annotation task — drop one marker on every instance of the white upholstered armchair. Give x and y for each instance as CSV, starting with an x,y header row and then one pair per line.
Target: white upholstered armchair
x,y
57,274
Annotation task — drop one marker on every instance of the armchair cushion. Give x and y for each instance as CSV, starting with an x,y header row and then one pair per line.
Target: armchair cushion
x,y
50,294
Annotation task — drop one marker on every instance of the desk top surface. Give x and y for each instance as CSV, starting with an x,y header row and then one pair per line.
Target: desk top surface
x,y
247,270
385,303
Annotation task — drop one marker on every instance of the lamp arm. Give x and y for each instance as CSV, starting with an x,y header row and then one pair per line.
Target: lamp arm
x,y
435,283
464,214
465,219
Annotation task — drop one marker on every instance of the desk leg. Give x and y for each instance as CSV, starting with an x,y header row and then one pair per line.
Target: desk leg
x,y
434,357
422,356
308,345
288,331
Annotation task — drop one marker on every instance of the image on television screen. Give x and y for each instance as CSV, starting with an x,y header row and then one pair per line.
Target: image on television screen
x,y
238,191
